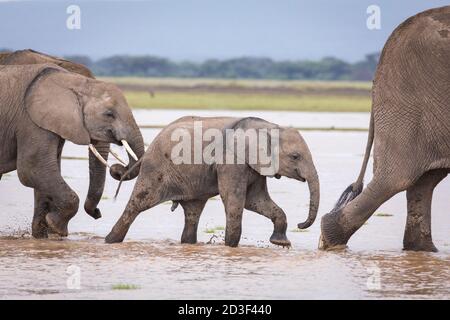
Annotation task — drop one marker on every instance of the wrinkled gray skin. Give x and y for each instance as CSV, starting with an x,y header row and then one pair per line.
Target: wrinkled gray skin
x,y
410,130
239,185
41,106
97,171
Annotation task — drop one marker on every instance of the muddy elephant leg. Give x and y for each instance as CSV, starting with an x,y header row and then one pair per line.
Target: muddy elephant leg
x,y
418,224
233,189
44,204
64,207
259,201
337,227
192,211
39,168
39,227
143,198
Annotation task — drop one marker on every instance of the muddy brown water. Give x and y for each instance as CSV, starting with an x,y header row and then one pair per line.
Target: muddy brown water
x,y
151,263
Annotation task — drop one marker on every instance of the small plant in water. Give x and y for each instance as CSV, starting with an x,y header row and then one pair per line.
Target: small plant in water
x,y
382,214
213,230
125,286
299,230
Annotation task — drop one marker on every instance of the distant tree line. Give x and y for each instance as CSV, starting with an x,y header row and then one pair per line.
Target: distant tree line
x,y
243,68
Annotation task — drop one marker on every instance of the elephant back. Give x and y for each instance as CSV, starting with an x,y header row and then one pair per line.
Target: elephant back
x,y
17,80
25,57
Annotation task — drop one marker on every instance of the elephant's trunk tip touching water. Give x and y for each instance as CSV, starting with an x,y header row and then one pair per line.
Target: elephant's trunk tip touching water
x,y
314,190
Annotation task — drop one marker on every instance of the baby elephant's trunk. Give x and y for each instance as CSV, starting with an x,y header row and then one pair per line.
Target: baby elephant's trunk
x,y
314,190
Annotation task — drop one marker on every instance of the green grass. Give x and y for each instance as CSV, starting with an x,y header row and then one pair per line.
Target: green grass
x,y
214,230
229,94
124,286
238,83
222,101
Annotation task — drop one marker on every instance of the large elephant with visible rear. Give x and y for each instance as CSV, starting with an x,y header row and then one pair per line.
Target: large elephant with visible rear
x,y
410,131
41,106
240,179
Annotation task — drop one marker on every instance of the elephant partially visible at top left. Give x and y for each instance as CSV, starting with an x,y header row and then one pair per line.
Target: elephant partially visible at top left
x,y
29,56
97,171
42,106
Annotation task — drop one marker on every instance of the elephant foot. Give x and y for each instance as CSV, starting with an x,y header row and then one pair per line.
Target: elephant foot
x,y
41,233
232,242
114,238
425,245
332,235
57,224
189,240
280,239
39,228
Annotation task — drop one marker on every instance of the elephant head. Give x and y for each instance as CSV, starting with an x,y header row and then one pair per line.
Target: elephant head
x,y
291,156
85,111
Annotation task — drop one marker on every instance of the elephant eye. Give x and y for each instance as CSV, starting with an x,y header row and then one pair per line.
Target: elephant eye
x,y
295,156
109,114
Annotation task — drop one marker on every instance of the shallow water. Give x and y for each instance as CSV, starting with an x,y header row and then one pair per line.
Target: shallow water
x,y
153,263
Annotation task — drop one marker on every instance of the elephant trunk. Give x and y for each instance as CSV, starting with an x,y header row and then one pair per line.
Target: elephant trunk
x,y
136,143
314,191
97,175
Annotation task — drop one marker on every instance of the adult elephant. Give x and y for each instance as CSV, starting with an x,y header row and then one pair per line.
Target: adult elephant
x,y
410,130
97,171
41,106
241,181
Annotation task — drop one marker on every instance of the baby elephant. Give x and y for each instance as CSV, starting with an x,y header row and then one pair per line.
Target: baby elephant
x,y
196,158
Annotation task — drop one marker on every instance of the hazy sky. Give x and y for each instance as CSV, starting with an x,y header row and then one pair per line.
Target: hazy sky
x,y
201,29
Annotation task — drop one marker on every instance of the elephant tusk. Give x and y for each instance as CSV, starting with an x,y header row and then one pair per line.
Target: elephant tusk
x,y
129,150
98,155
117,157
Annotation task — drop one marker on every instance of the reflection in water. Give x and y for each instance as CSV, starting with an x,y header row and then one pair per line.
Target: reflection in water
x,y
165,269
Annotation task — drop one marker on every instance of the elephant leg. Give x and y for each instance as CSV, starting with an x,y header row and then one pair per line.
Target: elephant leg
x,y
232,180
192,211
338,226
259,201
141,199
418,224
39,226
39,168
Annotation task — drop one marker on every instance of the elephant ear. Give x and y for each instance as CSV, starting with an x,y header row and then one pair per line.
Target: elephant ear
x,y
261,144
53,101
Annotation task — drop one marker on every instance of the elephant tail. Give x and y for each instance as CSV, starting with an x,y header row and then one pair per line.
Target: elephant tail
x,y
125,175
356,188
